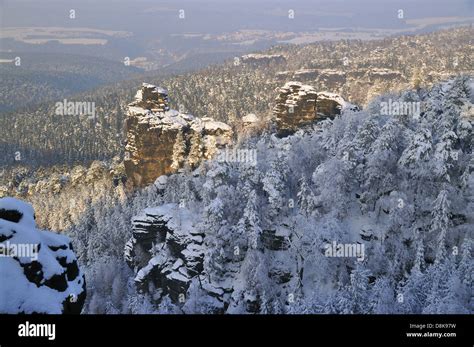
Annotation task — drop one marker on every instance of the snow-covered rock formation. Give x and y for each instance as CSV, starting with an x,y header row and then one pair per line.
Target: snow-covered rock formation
x,y
161,141
370,213
165,250
298,105
38,269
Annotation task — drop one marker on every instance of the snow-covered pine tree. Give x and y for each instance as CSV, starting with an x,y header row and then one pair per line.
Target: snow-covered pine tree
x,y
466,267
366,135
274,186
445,156
306,199
441,222
360,289
417,153
378,175
383,297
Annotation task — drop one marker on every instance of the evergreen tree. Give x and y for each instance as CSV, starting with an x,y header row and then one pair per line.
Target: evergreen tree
x,y
383,297
441,222
306,199
417,153
274,186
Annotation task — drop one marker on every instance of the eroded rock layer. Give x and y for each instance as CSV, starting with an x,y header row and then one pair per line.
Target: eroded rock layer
x,y
160,141
167,251
298,105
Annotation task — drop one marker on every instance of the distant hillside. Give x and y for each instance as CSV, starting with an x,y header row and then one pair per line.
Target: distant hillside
x,y
356,70
43,77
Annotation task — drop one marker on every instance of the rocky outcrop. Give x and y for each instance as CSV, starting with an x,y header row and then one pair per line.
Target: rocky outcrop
x,y
38,269
298,105
263,59
275,241
249,120
152,98
249,126
165,250
385,75
306,74
338,79
160,141
331,79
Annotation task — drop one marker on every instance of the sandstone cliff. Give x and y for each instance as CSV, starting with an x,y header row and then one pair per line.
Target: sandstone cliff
x,y
160,141
165,249
257,59
298,105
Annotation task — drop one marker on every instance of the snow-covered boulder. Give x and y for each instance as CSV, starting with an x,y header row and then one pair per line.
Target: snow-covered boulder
x,y
38,268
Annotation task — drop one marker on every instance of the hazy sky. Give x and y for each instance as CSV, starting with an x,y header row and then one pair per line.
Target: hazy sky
x,y
142,16
154,28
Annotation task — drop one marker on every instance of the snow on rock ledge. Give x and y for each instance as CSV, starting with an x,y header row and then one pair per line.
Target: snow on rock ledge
x,y
44,277
166,250
299,104
266,59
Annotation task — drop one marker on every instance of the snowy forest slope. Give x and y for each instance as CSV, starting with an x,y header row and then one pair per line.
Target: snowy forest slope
x,y
400,186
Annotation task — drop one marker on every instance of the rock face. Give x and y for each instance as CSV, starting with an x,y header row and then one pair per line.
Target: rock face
x,y
152,98
344,79
160,141
263,59
165,250
298,105
38,269
385,74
